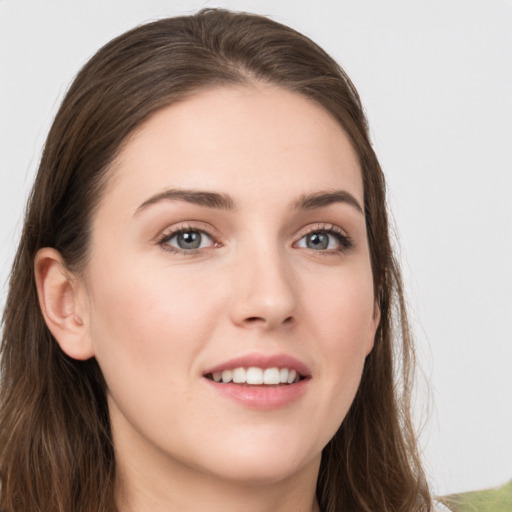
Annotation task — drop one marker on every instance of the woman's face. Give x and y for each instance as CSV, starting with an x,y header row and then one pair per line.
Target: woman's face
x,y
231,235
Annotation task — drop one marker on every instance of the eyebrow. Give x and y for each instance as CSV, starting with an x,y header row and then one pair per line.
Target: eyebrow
x,y
201,198
322,199
225,202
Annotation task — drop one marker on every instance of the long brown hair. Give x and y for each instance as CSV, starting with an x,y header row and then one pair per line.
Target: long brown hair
x,y
56,450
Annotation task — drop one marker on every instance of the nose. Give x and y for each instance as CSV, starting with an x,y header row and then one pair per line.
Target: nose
x,y
264,294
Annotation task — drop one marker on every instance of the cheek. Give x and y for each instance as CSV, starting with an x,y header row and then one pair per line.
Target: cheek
x,y
147,339
147,321
340,311
341,307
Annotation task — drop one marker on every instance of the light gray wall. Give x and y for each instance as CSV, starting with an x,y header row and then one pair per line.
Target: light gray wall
x,y
436,79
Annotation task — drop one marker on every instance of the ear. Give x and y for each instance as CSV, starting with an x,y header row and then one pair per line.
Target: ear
x,y
374,326
62,304
376,315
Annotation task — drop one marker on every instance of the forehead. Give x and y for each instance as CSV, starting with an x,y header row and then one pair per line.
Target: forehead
x,y
249,141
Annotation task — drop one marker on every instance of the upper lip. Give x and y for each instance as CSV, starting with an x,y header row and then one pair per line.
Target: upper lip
x,y
262,361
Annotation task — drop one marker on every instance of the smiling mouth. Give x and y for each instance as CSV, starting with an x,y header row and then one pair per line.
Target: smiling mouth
x,y
254,376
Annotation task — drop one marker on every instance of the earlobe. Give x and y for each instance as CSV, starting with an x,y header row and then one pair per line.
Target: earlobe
x,y
62,310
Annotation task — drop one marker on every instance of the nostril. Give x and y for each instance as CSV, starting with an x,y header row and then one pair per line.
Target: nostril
x,y
254,319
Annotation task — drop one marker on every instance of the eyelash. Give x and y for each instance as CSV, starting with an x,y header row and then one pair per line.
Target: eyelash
x,y
344,241
169,235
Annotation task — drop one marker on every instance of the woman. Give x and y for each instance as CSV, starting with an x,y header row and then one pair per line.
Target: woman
x,y
204,310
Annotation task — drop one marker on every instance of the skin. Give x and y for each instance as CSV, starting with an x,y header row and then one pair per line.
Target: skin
x,y
156,320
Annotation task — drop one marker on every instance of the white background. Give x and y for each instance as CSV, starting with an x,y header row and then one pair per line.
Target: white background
x,y
436,79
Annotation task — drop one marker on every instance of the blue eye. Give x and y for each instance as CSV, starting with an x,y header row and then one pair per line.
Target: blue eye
x,y
187,240
325,240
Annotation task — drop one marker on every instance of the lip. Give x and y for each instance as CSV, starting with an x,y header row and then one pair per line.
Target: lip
x,y
263,361
262,397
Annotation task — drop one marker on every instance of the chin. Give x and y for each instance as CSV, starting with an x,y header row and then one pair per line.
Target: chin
x,y
262,472
260,461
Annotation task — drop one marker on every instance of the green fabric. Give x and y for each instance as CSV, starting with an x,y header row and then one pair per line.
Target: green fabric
x,y
490,500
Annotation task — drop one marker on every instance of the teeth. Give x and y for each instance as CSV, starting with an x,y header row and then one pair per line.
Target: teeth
x,y
227,376
239,375
254,375
271,376
257,376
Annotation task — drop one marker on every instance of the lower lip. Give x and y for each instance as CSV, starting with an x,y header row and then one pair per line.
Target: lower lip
x,y
261,397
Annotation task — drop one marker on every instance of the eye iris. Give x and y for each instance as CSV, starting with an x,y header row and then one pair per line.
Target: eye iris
x,y
318,241
189,240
